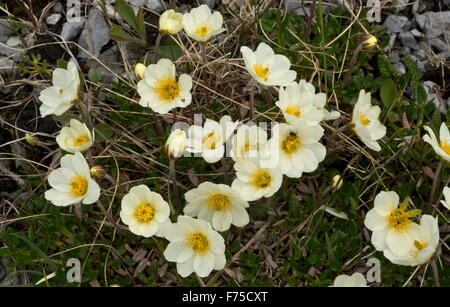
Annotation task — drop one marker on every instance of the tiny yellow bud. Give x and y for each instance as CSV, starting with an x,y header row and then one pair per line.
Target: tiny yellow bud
x,y
31,139
139,70
98,172
176,144
337,182
370,41
170,22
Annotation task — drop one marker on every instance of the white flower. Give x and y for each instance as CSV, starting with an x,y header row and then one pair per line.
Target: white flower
x,y
176,143
390,224
139,70
247,142
423,246
366,123
200,24
217,204
72,182
266,67
209,140
441,148
195,247
255,181
298,148
446,202
355,280
160,89
145,212
298,103
75,137
170,22
58,98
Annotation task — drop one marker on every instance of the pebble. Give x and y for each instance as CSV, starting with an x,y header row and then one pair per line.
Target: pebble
x,y
439,44
71,29
395,23
94,35
408,40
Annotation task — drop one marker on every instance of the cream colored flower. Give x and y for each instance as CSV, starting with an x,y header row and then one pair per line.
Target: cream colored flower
x,y
442,148
254,180
446,194
195,247
209,140
176,143
170,22
75,137
217,204
266,67
139,70
391,225
72,182
160,90
355,280
58,98
145,212
423,247
298,148
366,123
337,182
201,25
248,142
298,103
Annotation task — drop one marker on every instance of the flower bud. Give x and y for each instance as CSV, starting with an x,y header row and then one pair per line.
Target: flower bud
x,y
176,143
170,22
31,139
370,41
98,172
337,182
139,70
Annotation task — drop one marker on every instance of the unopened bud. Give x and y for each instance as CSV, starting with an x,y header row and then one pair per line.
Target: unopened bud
x,y
31,139
139,70
337,182
370,41
176,144
98,172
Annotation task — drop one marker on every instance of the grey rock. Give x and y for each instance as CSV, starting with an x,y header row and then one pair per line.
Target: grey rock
x,y
405,51
110,58
420,54
408,40
416,33
392,39
57,8
94,35
6,30
292,5
439,44
155,5
400,5
395,23
400,69
210,3
444,55
53,19
434,23
420,64
7,66
71,29
394,57
302,11
420,20
433,95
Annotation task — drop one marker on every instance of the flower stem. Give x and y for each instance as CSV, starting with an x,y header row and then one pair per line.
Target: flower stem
x,y
203,50
435,181
352,64
252,103
174,183
157,44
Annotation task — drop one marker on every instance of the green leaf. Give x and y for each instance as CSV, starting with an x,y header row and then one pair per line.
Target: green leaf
x,y
140,24
169,50
388,92
118,34
50,263
385,66
127,13
94,75
103,132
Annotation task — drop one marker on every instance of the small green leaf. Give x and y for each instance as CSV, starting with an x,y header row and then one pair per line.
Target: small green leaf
x,y
140,24
385,66
127,13
169,50
388,92
118,34
103,132
94,75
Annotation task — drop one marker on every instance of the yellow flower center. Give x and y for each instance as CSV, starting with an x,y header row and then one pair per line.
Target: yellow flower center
x,y
219,202
80,140
61,91
293,110
363,119
78,186
168,89
144,213
247,147
203,30
420,245
210,140
199,242
291,143
261,179
399,219
445,146
261,70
